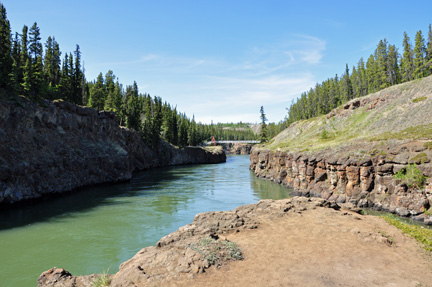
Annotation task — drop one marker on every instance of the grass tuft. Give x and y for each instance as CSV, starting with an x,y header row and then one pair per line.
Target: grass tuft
x,y
103,280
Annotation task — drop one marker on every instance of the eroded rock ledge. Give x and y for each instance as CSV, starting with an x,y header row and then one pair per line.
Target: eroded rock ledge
x,y
173,259
58,146
364,182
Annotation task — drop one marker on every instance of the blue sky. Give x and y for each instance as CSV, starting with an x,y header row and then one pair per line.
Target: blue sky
x,y
222,60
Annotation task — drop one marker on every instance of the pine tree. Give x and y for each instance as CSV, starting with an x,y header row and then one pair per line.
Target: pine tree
x,y
193,133
183,131
97,94
263,126
428,60
407,64
419,55
5,53
393,73
381,56
77,78
36,75
371,74
16,76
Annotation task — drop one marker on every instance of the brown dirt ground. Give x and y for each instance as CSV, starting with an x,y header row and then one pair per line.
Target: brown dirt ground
x,y
322,247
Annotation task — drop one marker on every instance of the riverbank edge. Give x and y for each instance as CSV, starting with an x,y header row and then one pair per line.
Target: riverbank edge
x,y
172,257
57,147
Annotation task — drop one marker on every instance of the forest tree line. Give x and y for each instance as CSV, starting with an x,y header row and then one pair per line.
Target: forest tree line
x,y
39,71
384,68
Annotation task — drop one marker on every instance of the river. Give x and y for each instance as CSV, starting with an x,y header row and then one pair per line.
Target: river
x,y
96,229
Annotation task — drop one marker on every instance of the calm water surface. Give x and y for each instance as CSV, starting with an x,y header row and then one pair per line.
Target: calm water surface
x,y
98,228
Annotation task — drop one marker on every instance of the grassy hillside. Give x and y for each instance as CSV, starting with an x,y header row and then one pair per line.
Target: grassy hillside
x,y
401,112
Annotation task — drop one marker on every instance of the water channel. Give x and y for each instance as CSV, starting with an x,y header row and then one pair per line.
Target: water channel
x,y
98,228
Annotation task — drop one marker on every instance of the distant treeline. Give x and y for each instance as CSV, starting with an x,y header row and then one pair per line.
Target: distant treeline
x,y
28,70
385,68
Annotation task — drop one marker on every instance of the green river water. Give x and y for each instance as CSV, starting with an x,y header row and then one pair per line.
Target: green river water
x,y
98,228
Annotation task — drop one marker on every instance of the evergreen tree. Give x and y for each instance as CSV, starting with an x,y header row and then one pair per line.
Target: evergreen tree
x,y
24,71
407,65
77,78
428,60
263,127
183,132
371,74
193,133
419,55
5,53
16,76
97,94
381,57
393,73
36,76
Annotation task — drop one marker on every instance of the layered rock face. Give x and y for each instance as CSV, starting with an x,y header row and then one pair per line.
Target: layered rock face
x,y
57,147
364,182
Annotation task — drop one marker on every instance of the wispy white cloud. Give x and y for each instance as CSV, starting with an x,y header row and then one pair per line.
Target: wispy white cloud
x,y
231,89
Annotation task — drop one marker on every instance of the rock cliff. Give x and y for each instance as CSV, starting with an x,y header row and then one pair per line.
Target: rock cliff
x,y
352,154
57,146
237,148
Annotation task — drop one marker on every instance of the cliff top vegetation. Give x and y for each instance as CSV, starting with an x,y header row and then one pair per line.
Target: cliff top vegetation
x,y
398,113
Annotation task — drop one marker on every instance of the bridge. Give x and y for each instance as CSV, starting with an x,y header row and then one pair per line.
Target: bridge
x,y
232,142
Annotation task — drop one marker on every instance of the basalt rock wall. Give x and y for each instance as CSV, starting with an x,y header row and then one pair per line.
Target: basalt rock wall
x,y
367,182
57,146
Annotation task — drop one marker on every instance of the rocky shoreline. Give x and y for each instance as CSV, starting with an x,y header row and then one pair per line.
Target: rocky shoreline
x,y
173,258
366,182
54,147
297,241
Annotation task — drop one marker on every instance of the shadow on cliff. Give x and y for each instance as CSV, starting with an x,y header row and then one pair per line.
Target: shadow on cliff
x,y
85,199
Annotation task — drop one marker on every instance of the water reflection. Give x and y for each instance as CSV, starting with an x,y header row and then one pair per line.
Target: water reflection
x,y
90,230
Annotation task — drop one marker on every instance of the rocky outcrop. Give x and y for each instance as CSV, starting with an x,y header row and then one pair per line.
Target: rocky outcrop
x,y
237,148
366,181
57,146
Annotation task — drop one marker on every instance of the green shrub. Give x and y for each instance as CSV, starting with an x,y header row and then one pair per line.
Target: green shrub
x,y
324,135
217,252
411,176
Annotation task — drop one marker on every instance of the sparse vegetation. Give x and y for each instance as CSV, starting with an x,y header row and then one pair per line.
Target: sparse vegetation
x,y
390,240
411,176
421,234
419,158
102,280
324,135
419,99
428,145
415,132
216,252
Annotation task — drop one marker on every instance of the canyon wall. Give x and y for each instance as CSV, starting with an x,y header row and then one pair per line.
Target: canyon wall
x,y
55,147
363,182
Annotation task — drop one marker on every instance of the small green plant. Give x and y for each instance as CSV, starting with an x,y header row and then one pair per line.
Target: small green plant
x,y
419,99
419,233
216,252
102,280
324,135
411,176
